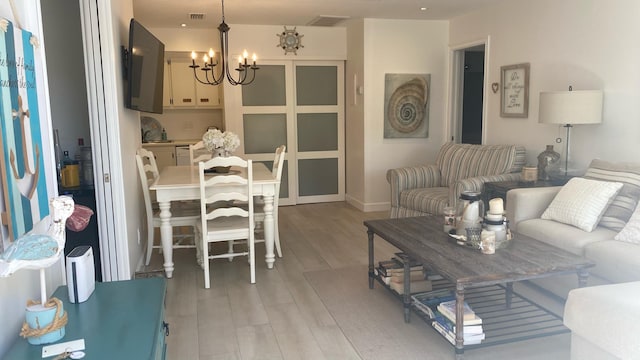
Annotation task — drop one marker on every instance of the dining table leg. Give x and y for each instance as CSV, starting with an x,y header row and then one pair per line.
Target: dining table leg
x,y
166,236
269,233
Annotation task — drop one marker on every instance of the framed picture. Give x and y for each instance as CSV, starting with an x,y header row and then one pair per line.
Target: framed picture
x,y
514,98
406,105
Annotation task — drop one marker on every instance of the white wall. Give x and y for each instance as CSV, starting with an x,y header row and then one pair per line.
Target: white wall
x,y
124,176
25,284
586,44
409,47
354,114
320,43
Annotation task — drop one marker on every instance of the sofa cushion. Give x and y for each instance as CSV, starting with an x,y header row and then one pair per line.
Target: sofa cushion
x,y
620,210
581,202
561,235
631,231
462,161
616,261
429,200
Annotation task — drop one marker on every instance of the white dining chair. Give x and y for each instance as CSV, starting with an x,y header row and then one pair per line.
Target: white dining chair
x,y
278,164
198,152
229,222
187,216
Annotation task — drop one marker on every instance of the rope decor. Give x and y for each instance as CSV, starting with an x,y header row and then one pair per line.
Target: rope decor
x,y
57,323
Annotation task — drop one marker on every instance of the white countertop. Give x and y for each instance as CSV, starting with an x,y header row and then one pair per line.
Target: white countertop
x,y
170,143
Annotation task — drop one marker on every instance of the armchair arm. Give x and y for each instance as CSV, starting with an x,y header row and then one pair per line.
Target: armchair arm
x,y
411,178
528,203
476,184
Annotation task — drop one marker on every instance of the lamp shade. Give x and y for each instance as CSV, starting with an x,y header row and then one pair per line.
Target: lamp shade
x,y
571,107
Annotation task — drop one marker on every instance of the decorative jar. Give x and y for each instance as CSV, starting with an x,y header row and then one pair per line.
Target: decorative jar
x,y
548,163
469,212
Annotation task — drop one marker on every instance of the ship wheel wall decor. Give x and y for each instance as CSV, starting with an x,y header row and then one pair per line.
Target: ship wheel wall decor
x,y
290,40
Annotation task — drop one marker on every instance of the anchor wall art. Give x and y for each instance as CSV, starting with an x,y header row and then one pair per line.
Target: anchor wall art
x,y
22,165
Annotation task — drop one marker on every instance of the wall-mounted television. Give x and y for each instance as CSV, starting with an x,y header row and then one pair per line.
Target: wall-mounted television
x,y
144,70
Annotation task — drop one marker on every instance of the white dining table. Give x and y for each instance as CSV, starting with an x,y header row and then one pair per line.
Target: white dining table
x,y
177,183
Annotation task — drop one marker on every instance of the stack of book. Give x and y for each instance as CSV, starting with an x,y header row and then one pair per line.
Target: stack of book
x,y
439,306
392,273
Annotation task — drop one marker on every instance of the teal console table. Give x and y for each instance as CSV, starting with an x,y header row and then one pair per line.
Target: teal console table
x,y
121,320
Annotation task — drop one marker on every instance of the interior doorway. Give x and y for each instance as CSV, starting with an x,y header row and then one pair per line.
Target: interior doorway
x,y
70,114
468,93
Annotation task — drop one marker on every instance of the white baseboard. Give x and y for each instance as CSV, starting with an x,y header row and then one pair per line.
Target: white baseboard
x,y
367,207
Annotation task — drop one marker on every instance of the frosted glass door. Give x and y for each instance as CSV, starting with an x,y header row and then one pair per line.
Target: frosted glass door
x,y
299,104
319,127
267,121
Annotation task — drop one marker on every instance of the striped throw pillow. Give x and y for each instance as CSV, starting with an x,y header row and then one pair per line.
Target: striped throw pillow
x,y
623,205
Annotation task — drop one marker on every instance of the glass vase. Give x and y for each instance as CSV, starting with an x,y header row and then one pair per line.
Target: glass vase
x,y
548,163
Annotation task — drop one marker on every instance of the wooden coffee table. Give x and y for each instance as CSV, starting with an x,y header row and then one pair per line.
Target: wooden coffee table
x,y
468,270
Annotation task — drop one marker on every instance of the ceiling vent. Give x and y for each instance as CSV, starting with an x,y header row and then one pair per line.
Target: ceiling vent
x,y
196,16
327,20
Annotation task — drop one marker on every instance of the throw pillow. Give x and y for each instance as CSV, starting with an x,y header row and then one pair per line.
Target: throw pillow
x,y
623,205
581,202
631,231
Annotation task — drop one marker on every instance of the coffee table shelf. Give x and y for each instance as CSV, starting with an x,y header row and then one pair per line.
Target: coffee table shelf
x,y
502,324
483,281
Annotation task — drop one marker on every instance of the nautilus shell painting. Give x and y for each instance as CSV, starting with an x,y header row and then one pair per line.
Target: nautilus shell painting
x,y
406,105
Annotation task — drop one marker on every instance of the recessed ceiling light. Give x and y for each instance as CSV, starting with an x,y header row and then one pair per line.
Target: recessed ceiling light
x,y
183,25
424,9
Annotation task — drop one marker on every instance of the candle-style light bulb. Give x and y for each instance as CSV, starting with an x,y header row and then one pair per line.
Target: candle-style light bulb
x,y
254,57
239,61
245,54
193,57
205,59
211,53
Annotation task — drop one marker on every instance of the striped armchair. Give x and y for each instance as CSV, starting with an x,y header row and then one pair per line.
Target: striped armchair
x,y
427,189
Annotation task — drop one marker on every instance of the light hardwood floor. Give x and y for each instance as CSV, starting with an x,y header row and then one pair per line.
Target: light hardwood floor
x,y
314,304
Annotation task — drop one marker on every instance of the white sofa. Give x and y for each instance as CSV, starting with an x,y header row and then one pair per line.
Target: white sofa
x,y
604,320
616,261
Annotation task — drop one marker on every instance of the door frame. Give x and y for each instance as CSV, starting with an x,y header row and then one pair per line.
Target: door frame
x,y
97,37
456,89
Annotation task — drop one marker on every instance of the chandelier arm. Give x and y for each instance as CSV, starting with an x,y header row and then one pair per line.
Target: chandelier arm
x,y
195,75
253,76
213,76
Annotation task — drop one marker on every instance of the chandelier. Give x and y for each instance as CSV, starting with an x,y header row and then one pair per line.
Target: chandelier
x,y
210,62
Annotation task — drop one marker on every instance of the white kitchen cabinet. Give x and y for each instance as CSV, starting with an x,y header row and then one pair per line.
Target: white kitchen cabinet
x,y
166,85
165,155
184,91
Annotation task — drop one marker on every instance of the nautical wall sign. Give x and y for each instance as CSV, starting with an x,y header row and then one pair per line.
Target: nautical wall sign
x,y
24,188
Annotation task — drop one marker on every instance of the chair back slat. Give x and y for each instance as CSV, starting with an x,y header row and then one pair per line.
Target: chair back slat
x,y
148,171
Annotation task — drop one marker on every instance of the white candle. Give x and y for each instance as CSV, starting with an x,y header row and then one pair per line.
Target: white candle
x,y
496,206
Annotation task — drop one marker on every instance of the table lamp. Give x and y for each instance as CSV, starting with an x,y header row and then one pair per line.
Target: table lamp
x,y
570,108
